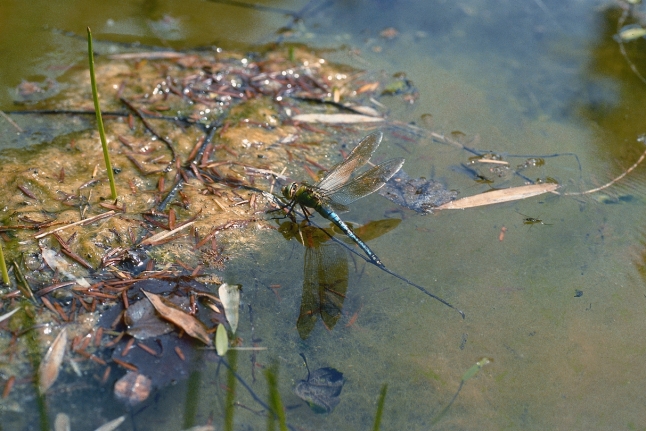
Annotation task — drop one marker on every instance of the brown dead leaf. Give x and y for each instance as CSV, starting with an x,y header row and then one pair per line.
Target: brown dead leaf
x,y
51,363
499,196
181,319
369,87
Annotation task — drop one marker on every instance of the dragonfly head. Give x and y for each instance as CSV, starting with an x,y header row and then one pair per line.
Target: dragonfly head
x,y
289,191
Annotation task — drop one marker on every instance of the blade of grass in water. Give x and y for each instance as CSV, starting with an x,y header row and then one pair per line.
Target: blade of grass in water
x,y
274,401
99,118
232,355
380,407
3,267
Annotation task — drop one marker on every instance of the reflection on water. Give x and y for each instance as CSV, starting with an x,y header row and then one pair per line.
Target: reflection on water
x,y
325,270
559,307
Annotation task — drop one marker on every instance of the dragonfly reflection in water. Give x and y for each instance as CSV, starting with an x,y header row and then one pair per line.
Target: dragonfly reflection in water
x,y
333,193
325,271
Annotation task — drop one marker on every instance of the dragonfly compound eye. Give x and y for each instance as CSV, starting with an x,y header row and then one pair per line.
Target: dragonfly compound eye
x,y
289,190
292,189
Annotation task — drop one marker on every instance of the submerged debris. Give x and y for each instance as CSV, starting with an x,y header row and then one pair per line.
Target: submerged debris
x,y
51,363
321,390
180,318
421,195
133,388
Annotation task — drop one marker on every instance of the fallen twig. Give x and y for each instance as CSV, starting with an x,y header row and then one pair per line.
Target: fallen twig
x,y
80,222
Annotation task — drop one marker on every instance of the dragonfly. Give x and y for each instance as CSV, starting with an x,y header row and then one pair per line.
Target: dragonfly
x,y
332,194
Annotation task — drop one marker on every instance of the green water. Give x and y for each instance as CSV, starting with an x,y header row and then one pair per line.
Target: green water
x,y
536,77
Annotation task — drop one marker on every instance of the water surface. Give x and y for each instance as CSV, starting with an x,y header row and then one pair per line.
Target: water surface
x,y
558,306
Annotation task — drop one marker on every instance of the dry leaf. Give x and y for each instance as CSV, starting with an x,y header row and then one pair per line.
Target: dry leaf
x,y
499,196
181,319
230,297
144,322
51,363
371,86
336,118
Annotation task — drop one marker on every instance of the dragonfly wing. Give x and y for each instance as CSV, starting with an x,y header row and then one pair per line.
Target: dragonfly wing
x,y
324,285
340,173
337,206
368,182
309,300
333,284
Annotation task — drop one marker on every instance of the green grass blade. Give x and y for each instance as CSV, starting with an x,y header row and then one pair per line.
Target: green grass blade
x,y
99,118
380,407
275,402
230,408
3,267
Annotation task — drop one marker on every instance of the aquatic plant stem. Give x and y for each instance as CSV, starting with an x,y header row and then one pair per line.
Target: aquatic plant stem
x,y
275,402
22,283
380,407
3,267
231,393
99,118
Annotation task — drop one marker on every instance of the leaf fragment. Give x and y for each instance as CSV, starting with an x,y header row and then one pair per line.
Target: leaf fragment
x,y
230,297
58,263
191,325
499,196
51,363
630,32
221,340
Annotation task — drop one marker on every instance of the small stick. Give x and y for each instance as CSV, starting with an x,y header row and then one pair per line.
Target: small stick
x,y
162,235
13,123
85,221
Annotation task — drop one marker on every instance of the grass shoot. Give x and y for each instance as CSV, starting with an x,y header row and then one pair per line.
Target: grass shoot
x,y
99,118
3,267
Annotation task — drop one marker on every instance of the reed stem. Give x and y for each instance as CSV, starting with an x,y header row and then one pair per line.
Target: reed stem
x,y
3,267
99,118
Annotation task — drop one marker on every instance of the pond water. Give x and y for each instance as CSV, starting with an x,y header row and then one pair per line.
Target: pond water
x,y
558,305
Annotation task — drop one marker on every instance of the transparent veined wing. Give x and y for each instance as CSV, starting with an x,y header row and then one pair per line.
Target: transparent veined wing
x,y
325,282
368,182
359,156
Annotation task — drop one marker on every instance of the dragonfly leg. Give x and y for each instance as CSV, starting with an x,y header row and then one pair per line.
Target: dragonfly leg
x,y
307,213
289,211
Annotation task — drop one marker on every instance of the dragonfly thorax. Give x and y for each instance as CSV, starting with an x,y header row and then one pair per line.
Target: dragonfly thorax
x,y
297,191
